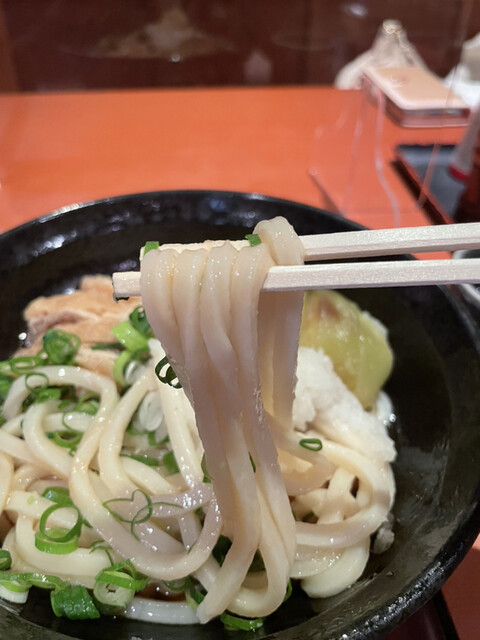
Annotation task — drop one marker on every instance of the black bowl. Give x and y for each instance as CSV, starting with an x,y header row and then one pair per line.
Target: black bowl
x,y
434,388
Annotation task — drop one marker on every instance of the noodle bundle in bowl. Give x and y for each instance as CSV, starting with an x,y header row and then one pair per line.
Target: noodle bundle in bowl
x,y
202,468
122,500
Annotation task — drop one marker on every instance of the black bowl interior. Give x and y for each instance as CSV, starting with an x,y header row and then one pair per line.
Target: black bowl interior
x,y
434,388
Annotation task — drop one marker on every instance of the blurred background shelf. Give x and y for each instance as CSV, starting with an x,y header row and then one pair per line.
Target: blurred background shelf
x,y
52,45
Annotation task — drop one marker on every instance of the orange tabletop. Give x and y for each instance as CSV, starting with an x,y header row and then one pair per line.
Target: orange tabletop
x,y
63,148
58,149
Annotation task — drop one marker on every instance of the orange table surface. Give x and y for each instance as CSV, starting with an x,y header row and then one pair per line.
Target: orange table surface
x,y
57,149
63,148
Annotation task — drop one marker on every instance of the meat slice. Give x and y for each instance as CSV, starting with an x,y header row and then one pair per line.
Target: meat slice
x,y
90,312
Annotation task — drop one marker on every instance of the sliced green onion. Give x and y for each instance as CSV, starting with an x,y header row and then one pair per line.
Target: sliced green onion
x,y
42,381
138,320
148,460
288,591
252,462
74,602
152,442
133,431
138,518
59,495
46,545
59,534
5,367
142,515
106,346
32,579
253,239
235,623
6,382
123,574
170,463
87,403
14,591
193,596
119,367
100,545
61,347
50,393
66,439
203,465
5,560
40,391
177,586
23,364
313,444
166,374
15,585
129,337
112,596
117,515
150,245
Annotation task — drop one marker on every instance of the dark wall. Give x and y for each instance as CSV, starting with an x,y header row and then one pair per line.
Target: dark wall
x,y
70,44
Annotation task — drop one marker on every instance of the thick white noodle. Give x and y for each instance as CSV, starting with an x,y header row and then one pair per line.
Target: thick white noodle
x,y
203,306
160,612
6,479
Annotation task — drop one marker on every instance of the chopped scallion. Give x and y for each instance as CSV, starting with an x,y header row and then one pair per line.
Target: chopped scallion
x,y
24,364
66,439
57,540
119,368
123,574
203,465
59,495
150,245
170,463
73,602
112,596
288,591
166,374
14,591
253,239
148,460
5,560
107,346
100,545
58,548
129,337
6,382
138,320
61,347
313,444
235,623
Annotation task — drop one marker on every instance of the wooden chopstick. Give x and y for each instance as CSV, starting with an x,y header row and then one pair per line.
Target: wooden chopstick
x,y
357,275
344,276
388,242
353,244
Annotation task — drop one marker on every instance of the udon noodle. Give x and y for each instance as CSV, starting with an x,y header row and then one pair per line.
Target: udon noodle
x,y
206,483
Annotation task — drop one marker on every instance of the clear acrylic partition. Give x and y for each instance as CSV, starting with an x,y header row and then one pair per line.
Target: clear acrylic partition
x,y
361,182
365,182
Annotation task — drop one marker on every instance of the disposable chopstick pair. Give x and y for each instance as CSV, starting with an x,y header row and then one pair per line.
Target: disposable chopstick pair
x,y
361,244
